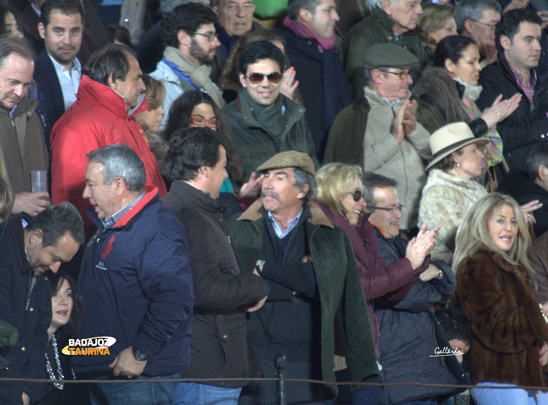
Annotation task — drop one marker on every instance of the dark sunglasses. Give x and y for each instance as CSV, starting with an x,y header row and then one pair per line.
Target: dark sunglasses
x,y
356,195
256,78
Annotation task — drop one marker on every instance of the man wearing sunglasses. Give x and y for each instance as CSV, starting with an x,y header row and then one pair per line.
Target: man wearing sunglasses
x,y
382,133
191,43
264,122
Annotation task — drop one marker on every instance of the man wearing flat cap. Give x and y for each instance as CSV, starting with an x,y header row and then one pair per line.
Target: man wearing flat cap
x,y
384,124
310,268
390,22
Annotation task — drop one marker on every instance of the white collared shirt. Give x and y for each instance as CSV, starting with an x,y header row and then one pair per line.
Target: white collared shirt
x,y
68,79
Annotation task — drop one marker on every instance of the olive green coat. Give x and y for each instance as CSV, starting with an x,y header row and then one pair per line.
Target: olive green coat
x,y
375,29
257,144
340,290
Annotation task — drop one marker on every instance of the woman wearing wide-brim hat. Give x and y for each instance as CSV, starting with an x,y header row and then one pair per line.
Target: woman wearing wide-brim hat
x,y
451,190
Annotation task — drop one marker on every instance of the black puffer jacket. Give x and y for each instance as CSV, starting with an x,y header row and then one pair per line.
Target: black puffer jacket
x,y
219,327
528,124
410,334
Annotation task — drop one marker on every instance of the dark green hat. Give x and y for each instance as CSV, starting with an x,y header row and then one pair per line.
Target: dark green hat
x,y
388,55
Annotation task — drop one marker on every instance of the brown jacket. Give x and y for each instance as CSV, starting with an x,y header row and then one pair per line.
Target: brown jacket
x,y
22,144
506,320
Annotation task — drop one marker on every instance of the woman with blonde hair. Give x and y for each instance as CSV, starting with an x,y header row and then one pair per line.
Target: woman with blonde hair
x,y
6,200
340,195
437,21
508,322
151,121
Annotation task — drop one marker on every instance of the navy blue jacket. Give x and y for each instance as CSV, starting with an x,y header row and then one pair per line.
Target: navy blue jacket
x,y
525,126
322,85
410,334
26,357
136,284
50,95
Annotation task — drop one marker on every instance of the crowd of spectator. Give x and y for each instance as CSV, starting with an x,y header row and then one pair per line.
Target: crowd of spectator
x,y
214,191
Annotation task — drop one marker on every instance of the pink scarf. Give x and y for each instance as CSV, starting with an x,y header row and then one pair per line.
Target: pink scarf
x,y
302,31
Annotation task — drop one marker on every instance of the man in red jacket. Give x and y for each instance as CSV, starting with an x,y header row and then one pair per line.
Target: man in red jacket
x,y
111,92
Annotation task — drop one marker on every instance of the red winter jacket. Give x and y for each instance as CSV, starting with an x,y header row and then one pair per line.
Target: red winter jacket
x,y
98,118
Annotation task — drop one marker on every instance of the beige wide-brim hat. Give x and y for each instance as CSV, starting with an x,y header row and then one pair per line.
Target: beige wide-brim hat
x,y
451,138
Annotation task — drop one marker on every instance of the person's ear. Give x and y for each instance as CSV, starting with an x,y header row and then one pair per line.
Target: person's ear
x,y
468,25
183,38
303,191
305,15
242,80
505,42
377,76
541,174
449,65
36,237
119,185
387,6
111,82
42,30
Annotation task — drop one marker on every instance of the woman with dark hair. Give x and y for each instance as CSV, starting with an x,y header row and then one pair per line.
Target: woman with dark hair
x,y
8,23
194,108
230,77
451,87
66,310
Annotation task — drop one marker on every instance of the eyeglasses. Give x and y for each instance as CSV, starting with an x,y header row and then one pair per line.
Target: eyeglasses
x,y
404,74
256,78
390,209
202,122
356,195
491,26
209,35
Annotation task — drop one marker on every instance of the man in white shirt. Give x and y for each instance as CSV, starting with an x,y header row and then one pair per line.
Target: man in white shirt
x,y
58,71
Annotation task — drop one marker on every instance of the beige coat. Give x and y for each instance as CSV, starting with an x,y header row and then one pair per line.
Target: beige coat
x,y
445,200
403,162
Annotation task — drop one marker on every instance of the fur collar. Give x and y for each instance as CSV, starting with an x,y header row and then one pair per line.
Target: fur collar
x,y
502,263
318,216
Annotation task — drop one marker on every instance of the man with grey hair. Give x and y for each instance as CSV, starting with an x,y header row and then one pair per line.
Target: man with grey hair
x,y
477,19
391,21
310,268
135,281
22,142
31,249
382,133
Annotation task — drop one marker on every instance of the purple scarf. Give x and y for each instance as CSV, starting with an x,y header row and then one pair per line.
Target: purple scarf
x,y
302,31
